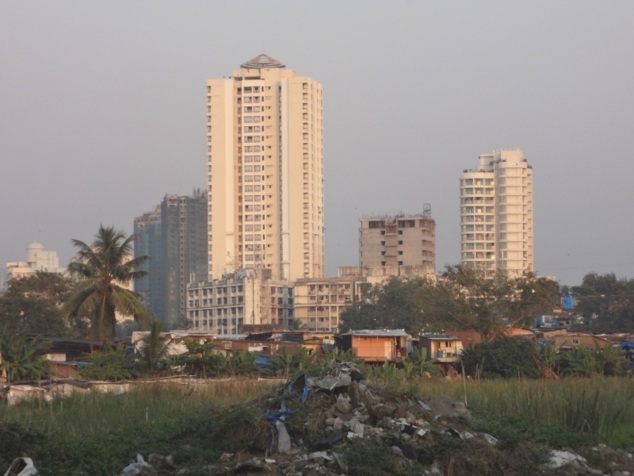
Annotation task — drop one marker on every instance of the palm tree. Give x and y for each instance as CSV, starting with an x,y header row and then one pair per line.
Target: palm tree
x,y
104,269
154,347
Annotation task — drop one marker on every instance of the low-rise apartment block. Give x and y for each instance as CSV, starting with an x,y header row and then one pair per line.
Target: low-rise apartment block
x,y
246,297
319,303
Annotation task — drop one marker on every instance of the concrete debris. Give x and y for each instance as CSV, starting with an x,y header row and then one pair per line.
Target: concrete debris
x,y
490,439
558,458
343,404
139,468
330,382
424,406
21,467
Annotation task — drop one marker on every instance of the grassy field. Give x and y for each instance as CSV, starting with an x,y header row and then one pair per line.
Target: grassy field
x,y
100,433
96,433
565,412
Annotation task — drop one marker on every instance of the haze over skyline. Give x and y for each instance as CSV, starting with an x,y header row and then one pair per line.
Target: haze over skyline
x,y
102,112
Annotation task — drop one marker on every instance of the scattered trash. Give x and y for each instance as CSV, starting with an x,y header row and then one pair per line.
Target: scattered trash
x,y
284,440
139,468
21,467
559,458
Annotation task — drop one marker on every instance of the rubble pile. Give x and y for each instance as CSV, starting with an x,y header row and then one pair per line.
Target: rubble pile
x,y
339,423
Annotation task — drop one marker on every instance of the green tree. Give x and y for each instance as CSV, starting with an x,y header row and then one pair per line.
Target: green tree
x,y
489,304
417,364
104,269
606,302
109,364
21,358
532,297
409,304
55,287
33,305
461,298
202,360
579,362
505,357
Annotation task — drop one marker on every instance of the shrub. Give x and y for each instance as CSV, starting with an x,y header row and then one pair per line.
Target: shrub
x,y
504,357
21,358
202,360
109,365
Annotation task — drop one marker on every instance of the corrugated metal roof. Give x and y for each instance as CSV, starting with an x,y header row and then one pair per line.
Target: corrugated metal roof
x,y
378,333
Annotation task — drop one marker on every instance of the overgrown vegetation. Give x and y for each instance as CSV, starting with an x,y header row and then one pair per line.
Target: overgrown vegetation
x,y
20,358
99,434
33,305
110,365
507,357
606,302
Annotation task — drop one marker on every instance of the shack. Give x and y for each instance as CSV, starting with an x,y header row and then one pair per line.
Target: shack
x,y
442,348
576,340
175,339
376,345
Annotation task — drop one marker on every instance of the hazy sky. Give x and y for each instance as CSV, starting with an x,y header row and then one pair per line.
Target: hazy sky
x,y
102,112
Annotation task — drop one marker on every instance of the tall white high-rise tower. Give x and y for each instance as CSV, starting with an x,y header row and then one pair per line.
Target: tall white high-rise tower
x,y
265,171
496,214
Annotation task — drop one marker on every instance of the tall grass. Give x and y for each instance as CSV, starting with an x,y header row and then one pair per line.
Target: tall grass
x,y
601,408
566,411
98,433
94,412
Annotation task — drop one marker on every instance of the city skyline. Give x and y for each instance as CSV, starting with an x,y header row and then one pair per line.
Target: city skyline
x,y
415,91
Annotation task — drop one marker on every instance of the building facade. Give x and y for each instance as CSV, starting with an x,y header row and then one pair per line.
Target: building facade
x,y
265,172
147,242
496,214
174,237
319,302
37,259
246,297
184,242
402,244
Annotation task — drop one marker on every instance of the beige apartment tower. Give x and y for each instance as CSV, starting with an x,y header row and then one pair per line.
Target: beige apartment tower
x,y
265,172
496,214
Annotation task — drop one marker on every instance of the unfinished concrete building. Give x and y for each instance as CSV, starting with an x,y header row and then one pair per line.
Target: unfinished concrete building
x,y
399,243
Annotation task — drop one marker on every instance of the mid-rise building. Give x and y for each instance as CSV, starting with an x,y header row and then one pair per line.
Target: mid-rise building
x,y
265,171
174,237
37,259
319,302
496,214
246,297
402,244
